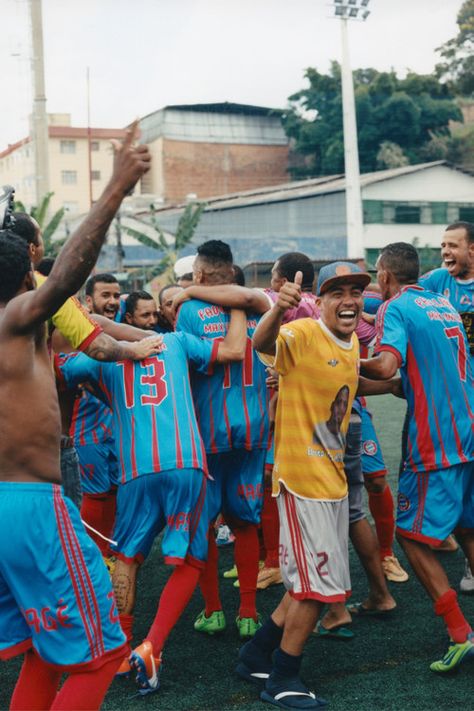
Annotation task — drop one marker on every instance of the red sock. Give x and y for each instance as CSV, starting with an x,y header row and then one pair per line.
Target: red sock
x,y
246,559
381,508
447,607
208,580
270,528
174,598
92,511
126,623
37,685
85,691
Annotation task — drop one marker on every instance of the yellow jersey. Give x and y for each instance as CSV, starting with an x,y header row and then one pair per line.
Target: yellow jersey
x,y
73,321
319,379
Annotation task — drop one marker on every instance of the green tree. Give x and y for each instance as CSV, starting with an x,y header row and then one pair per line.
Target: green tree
x,y
406,113
457,66
169,249
48,225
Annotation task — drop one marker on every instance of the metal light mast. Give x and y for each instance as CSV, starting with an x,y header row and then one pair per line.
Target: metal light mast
x,y
347,10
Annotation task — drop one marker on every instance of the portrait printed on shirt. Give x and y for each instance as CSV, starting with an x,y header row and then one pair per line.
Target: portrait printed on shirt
x,y
328,434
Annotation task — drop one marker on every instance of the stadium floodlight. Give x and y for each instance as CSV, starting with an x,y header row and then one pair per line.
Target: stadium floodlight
x,y
351,10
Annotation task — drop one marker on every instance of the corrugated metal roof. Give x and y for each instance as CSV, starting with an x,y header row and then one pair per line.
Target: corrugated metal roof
x,y
224,107
300,189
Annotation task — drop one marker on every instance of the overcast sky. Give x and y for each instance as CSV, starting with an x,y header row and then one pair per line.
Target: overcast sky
x,y
145,54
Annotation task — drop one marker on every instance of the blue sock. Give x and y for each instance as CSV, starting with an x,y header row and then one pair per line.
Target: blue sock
x,y
268,637
286,665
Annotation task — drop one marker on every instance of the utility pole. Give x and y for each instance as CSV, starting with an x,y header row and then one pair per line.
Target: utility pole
x,y
346,10
39,118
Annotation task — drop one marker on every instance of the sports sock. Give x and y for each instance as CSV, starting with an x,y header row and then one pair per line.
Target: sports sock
x,y
126,622
286,665
37,685
381,508
268,637
246,551
85,691
208,581
92,511
447,607
174,598
270,527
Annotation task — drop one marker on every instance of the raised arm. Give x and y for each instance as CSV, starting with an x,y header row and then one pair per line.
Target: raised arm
x,y
267,331
232,348
80,253
231,296
120,331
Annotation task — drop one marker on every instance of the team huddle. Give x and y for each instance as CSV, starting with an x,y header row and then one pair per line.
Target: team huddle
x,y
121,421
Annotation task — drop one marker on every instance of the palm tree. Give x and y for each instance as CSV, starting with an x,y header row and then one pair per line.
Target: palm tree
x,y
48,226
170,248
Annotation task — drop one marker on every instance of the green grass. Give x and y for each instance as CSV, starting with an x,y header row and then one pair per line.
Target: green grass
x,y
384,667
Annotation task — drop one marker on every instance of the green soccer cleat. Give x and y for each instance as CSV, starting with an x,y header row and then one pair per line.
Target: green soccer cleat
x,y
247,626
232,573
214,624
456,654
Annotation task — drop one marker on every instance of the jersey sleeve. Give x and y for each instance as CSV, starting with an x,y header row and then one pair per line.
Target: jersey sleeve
x,y
391,332
75,368
186,320
292,343
201,353
73,321
429,281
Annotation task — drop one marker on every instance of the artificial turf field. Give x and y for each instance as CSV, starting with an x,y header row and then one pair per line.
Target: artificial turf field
x,y
386,666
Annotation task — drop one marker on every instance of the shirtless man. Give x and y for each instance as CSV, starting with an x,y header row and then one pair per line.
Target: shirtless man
x,y
68,616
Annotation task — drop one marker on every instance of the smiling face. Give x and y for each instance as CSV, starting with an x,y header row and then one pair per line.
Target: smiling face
x,y
105,299
341,307
458,253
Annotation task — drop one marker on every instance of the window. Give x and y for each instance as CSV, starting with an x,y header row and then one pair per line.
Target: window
x,y
373,211
407,214
466,214
67,146
95,145
69,177
95,174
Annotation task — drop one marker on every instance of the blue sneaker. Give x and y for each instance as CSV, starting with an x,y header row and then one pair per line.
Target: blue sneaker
x,y
254,665
290,693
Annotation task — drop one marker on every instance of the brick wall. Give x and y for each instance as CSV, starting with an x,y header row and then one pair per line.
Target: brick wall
x,y
210,169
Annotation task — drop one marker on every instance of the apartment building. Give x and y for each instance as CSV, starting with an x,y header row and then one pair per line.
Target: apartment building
x,y
80,164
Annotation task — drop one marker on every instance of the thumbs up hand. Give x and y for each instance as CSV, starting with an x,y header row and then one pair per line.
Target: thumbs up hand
x,y
289,295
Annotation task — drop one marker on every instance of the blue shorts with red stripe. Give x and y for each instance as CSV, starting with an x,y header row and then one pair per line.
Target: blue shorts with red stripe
x,y
99,467
373,464
55,591
237,486
270,456
432,504
174,501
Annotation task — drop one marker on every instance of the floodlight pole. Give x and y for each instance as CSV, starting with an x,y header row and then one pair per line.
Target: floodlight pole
x,y
354,221
39,119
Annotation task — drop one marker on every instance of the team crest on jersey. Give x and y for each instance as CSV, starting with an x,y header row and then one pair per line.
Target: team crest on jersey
x,y
333,362
370,447
403,502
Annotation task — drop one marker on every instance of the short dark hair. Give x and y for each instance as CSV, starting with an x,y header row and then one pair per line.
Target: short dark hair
x,y
165,288
45,266
133,298
105,278
460,225
15,263
402,260
291,262
239,276
215,251
24,227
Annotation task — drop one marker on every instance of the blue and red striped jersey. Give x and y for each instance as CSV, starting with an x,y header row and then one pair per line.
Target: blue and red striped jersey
x,y
232,404
460,293
425,333
154,421
91,421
